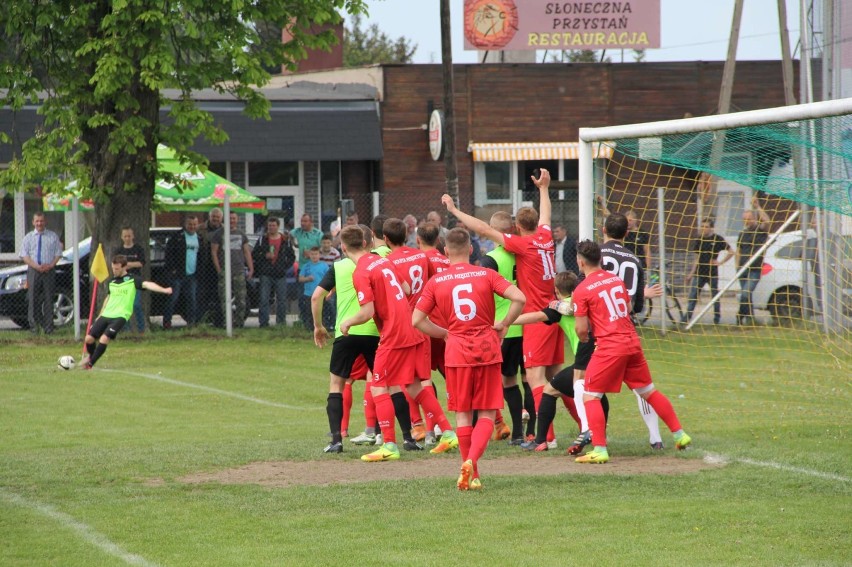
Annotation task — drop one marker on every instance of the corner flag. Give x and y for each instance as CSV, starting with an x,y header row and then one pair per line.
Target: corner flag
x,y
99,266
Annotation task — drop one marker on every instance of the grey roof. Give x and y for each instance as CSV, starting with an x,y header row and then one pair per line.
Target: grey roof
x,y
308,121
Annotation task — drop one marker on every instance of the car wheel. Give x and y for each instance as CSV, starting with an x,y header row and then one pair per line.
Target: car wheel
x,y
786,304
22,322
63,308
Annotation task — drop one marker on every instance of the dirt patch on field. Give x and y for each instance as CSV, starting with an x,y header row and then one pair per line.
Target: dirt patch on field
x,y
344,470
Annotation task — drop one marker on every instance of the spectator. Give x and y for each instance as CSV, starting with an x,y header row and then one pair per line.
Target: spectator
x,y
438,219
637,241
306,237
411,230
566,251
752,238
183,251
706,268
135,256
350,220
273,255
210,306
328,253
242,268
40,251
310,274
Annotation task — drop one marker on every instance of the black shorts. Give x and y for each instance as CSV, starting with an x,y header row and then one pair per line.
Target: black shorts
x,y
345,350
584,353
513,356
108,327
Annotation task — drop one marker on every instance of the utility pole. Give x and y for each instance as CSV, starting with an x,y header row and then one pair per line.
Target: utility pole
x,y
449,137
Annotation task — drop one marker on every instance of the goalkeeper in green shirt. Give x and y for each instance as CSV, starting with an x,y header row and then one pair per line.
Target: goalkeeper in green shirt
x,y
117,308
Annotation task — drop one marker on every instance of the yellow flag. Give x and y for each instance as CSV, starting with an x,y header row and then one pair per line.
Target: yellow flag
x,y
99,266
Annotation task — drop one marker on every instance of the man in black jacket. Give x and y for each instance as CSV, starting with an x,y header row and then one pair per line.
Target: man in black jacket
x,y
273,255
183,253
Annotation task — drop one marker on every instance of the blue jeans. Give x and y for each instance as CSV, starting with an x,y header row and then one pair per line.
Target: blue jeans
x,y
748,281
269,284
698,282
183,284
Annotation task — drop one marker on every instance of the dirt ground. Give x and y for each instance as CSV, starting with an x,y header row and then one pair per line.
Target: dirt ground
x,y
345,469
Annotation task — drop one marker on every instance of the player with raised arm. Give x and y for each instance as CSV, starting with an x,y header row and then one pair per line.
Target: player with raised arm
x,y
464,297
601,303
533,248
382,297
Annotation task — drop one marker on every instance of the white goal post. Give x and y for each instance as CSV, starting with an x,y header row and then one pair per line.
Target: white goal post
x,y
587,136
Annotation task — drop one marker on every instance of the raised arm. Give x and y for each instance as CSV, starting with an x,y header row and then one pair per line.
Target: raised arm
x,y
763,218
543,184
481,228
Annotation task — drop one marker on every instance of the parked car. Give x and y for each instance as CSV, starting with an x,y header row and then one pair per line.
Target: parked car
x,y
780,288
13,284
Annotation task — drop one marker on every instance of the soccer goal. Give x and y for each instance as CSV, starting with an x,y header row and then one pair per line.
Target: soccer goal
x,y
773,187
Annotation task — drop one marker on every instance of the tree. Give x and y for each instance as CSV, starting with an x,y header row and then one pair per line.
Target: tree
x,y
639,55
372,46
97,68
580,56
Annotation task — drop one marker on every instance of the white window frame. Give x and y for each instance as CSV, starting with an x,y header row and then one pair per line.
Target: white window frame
x,y
295,191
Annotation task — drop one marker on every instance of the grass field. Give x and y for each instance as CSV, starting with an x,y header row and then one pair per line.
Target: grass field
x,y
92,466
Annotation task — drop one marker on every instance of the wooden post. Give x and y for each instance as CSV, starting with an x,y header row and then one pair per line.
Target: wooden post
x,y
449,114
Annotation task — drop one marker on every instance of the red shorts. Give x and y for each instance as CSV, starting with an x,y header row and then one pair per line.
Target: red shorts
x,y
607,371
437,353
423,366
474,388
359,369
544,345
397,366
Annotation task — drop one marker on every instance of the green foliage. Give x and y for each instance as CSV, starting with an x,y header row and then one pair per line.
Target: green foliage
x,y
580,56
370,46
109,448
98,68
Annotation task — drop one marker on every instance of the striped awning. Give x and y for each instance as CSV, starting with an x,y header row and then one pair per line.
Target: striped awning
x,y
527,151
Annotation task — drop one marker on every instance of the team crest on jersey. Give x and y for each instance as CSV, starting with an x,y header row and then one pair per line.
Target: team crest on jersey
x,y
360,296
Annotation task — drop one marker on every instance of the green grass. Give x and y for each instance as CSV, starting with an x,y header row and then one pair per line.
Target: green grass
x,y
79,451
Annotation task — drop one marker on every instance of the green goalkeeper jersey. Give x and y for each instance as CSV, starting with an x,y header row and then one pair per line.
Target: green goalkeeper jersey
x,y
347,300
506,268
122,294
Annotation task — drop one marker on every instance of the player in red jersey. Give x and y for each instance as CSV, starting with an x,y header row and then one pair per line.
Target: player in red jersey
x,y
413,267
463,295
601,302
533,248
382,297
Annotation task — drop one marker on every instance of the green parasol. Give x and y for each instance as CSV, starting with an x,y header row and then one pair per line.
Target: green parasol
x,y
196,190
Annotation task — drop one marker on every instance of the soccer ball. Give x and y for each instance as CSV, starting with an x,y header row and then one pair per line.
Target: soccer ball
x,y
66,362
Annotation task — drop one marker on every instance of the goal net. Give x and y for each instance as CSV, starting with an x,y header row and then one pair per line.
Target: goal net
x,y
746,221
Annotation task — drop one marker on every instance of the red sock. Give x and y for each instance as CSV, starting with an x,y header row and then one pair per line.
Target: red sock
x,y
664,409
537,393
347,407
369,407
597,422
427,400
463,434
385,414
413,409
482,433
571,407
551,433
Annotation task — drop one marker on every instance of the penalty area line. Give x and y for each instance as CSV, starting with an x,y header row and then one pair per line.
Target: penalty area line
x,y
84,531
217,391
716,458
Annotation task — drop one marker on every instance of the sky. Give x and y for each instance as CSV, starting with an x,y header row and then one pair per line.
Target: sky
x,y
691,29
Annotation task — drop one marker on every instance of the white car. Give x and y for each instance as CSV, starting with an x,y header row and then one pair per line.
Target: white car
x,y
780,288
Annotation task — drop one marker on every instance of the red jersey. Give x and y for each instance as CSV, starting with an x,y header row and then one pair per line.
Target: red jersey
x,y
463,295
437,261
412,265
375,279
603,298
536,266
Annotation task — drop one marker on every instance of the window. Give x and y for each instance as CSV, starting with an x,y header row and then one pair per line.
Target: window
x,y
498,181
220,168
274,173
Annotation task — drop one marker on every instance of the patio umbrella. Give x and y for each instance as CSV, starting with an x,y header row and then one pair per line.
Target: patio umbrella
x,y
195,191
